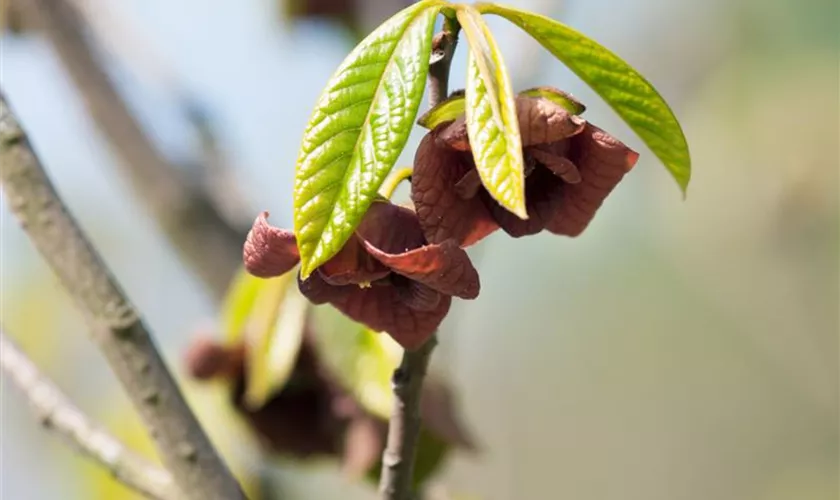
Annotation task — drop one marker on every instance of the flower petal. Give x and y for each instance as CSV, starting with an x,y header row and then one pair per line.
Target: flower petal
x,y
542,121
559,165
418,296
442,212
542,195
206,359
602,161
352,265
443,267
296,421
391,228
454,135
318,291
269,251
469,185
380,308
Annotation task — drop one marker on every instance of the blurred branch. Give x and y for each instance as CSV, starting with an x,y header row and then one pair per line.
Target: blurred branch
x,y
218,183
117,329
56,413
397,475
204,238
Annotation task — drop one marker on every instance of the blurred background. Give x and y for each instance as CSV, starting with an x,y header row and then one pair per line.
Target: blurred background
x,y
678,350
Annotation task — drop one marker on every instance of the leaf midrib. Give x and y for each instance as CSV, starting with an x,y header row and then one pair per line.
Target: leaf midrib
x,y
675,156
366,124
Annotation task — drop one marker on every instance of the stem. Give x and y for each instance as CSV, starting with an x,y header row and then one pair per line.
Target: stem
x,y
393,181
443,48
56,413
397,475
404,426
116,327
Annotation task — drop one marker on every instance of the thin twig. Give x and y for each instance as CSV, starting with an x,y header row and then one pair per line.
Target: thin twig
x,y
117,329
443,49
397,477
187,215
404,426
56,413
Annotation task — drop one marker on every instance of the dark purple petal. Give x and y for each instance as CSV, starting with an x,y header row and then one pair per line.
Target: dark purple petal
x,y
417,295
318,291
469,185
269,251
542,121
297,421
207,359
602,161
391,228
559,165
454,134
443,267
380,307
542,191
442,212
352,265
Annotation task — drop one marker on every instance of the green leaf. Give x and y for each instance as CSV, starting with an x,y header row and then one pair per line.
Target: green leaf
x,y
562,99
273,334
358,130
492,122
446,111
238,304
362,360
628,92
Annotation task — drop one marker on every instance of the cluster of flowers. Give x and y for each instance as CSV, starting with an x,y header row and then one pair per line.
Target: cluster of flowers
x,y
399,272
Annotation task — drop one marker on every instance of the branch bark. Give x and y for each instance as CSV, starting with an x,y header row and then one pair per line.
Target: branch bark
x,y
205,240
117,329
396,481
56,413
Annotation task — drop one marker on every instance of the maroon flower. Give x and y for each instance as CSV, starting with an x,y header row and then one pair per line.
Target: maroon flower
x,y
314,415
570,168
386,276
299,421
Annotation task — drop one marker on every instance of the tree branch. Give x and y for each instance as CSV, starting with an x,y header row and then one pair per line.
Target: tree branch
x,y
443,49
187,215
117,329
56,413
397,475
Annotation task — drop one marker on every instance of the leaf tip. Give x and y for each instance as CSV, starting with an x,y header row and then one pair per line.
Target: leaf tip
x,y
518,209
683,179
306,269
684,189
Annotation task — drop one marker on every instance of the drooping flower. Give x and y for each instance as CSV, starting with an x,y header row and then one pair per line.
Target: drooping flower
x,y
314,415
571,166
386,276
